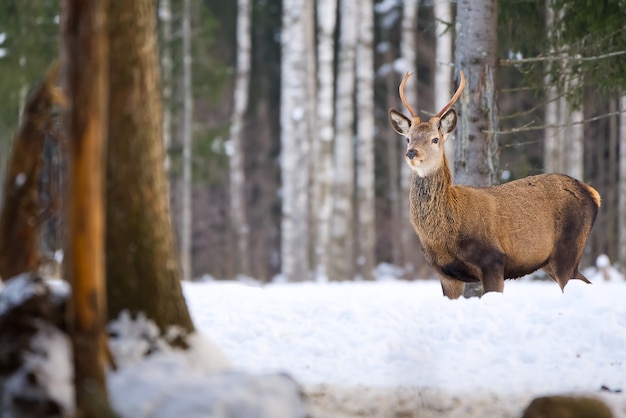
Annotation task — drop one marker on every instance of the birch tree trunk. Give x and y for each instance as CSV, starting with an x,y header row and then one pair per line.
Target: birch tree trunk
x,y
572,143
167,65
552,134
185,233
366,232
476,55
408,53
343,216
621,185
326,24
239,218
294,144
443,63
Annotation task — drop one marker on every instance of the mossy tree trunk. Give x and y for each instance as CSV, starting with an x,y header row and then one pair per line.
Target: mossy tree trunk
x,y
143,271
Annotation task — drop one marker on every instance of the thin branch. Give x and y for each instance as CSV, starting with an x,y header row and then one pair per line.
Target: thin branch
x,y
550,58
527,128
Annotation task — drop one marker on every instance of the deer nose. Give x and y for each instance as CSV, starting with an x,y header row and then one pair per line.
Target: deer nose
x,y
410,154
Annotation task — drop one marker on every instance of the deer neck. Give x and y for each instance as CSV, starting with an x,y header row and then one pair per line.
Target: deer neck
x,y
432,201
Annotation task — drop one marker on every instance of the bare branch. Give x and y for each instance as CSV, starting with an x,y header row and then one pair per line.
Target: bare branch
x,y
559,57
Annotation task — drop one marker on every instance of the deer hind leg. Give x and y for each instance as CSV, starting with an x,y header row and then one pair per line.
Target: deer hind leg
x,y
493,278
452,288
563,269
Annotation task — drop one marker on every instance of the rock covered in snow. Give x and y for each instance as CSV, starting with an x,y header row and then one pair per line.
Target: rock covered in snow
x,y
156,380
36,372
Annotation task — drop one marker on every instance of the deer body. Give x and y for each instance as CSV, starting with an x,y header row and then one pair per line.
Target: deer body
x,y
489,234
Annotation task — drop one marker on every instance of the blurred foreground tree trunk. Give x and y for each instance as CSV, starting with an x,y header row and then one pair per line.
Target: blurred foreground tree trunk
x,y
476,55
85,62
143,270
21,208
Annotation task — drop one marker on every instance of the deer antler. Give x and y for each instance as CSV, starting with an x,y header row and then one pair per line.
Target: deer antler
x,y
403,97
454,98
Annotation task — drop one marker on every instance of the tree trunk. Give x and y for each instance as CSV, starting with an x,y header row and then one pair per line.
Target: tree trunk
x,y
622,184
143,270
394,164
366,207
294,144
443,64
323,197
408,52
167,66
343,267
85,59
476,56
552,134
185,231
239,217
20,207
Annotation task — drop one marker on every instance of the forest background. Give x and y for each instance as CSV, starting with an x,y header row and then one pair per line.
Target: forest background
x,y
280,156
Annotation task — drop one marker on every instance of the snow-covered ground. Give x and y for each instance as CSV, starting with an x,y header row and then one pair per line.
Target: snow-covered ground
x,y
392,347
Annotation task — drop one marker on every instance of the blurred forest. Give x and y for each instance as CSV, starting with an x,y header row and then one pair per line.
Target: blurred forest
x,y
564,57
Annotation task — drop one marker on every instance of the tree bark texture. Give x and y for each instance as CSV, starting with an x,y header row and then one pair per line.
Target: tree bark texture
x,y
365,129
143,270
621,184
295,144
408,52
342,232
239,217
323,197
443,64
85,62
476,55
186,215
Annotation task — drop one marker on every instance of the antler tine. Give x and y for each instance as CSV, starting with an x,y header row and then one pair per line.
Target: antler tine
x,y
454,98
404,101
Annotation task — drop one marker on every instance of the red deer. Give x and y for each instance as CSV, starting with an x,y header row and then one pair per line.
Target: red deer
x,y
490,234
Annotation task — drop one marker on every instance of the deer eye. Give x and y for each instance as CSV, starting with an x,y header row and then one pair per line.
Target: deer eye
x,y
435,140
408,140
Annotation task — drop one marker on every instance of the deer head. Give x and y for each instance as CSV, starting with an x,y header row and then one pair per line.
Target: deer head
x,y
425,140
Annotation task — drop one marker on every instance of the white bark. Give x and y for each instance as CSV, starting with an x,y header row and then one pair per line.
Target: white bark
x,y
622,184
573,143
552,134
326,11
236,156
408,52
443,63
167,65
185,244
343,215
294,143
366,232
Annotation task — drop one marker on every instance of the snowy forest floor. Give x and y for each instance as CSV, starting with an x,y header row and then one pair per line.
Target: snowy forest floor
x,y
399,349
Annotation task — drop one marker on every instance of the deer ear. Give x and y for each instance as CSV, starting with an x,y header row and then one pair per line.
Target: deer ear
x,y
400,123
448,121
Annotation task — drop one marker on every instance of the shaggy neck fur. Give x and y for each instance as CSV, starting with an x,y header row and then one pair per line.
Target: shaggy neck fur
x,y
433,202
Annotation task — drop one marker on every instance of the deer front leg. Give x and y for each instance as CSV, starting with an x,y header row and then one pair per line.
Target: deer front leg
x,y
452,288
